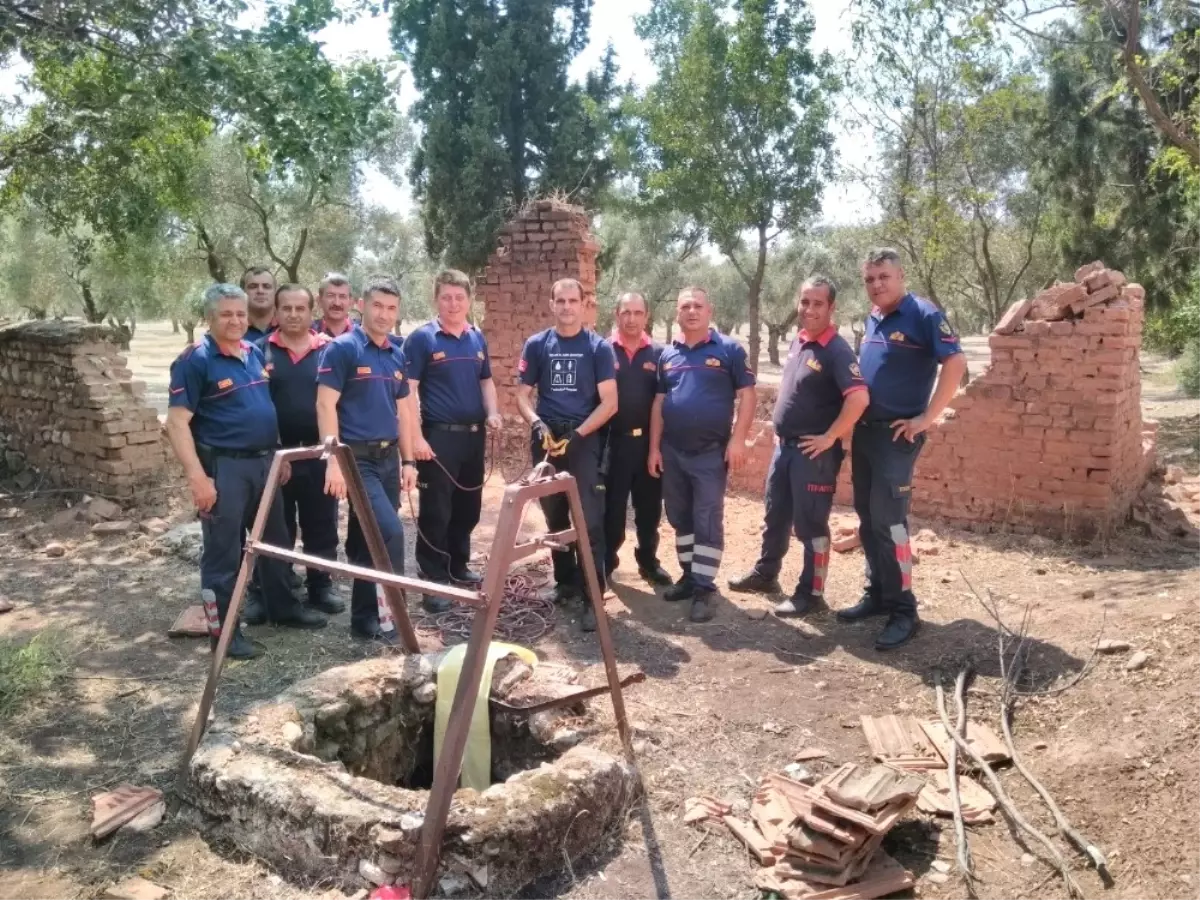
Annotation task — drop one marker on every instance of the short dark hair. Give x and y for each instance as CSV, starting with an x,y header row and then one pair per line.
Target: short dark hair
x,y
380,285
820,281
453,277
255,270
566,282
292,286
883,255
336,279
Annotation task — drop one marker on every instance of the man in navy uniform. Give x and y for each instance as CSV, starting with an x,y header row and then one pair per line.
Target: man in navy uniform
x,y
291,353
636,357
363,399
907,338
694,442
821,395
451,373
223,429
259,284
572,369
333,297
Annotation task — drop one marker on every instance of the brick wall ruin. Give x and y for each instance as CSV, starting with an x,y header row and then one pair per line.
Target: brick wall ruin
x,y
69,409
548,240
1049,438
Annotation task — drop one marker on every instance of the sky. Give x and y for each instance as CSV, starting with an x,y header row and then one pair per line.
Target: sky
x,y
612,20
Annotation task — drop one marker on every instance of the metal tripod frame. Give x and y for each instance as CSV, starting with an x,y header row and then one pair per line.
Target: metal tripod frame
x,y
504,553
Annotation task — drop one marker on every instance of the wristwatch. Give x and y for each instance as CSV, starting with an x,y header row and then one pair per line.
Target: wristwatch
x,y
408,462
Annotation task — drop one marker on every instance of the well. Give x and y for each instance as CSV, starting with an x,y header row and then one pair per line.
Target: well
x,y
329,781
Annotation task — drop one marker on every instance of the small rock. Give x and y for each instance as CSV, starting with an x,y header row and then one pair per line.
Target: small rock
x,y
849,723
236,746
411,823
937,878
426,693
640,746
1168,617
940,865
1137,661
773,728
926,549
797,772
1111,645
479,875
390,864
1027,859
154,527
453,884
54,550
147,818
291,732
97,509
372,872
1040,570
6,605
121,526
755,614
821,685
1040,745
1087,594
136,889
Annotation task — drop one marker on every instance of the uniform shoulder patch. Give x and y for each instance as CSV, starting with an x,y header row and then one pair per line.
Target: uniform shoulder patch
x,y
855,370
399,376
479,355
945,328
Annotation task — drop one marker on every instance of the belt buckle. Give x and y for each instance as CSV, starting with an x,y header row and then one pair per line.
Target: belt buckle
x,y
637,432
474,428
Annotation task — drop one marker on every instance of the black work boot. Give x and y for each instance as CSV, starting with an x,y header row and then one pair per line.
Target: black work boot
x,y
239,647
702,606
683,589
561,593
899,630
868,605
325,599
295,581
376,634
432,603
801,603
655,574
466,576
587,622
254,612
753,583
301,617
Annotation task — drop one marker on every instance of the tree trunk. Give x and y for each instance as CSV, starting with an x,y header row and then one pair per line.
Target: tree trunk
x,y
774,333
174,326
754,340
90,312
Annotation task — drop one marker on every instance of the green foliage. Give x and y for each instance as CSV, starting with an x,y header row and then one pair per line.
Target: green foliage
x,y
1187,369
733,135
28,668
501,122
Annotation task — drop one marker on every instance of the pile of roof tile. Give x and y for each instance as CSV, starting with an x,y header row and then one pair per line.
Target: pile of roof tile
x,y
824,841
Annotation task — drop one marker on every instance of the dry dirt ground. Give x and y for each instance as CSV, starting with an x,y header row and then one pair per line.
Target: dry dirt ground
x,y
724,703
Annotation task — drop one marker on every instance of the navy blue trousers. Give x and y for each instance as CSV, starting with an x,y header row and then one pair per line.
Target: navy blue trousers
x,y
628,476
882,471
313,514
448,515
582,460
694,497
799,497
240,484
381,478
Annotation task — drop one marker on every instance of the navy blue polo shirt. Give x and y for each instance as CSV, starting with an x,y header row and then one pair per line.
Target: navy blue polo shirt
x,y
700,384
293,381
820,371
900,354
566,372
255,335
371,378
228,396
637,384
448,370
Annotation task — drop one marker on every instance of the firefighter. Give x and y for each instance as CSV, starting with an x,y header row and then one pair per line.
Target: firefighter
x,y
821,395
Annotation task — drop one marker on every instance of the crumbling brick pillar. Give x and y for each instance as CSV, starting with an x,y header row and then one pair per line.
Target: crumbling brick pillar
x,y
1049,438
548,240
70,410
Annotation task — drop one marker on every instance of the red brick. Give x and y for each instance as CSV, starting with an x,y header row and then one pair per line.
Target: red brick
x,y
1084,271
1013,318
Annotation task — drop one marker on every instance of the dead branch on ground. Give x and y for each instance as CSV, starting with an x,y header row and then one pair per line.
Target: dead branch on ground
x,y
966,865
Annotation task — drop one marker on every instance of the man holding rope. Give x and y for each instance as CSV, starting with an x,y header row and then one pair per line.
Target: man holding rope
x,y
573,370
449,368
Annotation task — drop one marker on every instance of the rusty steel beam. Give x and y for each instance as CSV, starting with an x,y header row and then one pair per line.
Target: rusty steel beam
x,y
556,540
569,699
403,582
449,763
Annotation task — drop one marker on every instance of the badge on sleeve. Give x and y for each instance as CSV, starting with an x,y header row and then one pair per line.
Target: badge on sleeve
x,y
855,370
479,355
